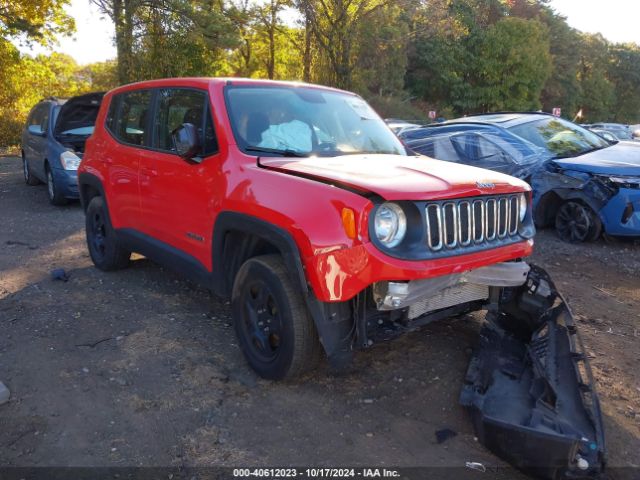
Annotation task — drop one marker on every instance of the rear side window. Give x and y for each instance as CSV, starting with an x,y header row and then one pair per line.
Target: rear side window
x,y
128,117
178,106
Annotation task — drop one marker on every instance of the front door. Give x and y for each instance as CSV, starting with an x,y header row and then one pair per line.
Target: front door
x,y
177,195
35,148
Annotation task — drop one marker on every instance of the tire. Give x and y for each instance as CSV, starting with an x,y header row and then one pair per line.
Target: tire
x,y
106,253
29,179
576,223
53,190
274,328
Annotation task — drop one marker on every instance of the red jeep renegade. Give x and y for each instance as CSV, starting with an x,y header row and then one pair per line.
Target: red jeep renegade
x,y
298,203
302,206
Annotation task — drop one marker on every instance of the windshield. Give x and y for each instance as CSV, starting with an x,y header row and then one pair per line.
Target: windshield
x,y
299,121
559,137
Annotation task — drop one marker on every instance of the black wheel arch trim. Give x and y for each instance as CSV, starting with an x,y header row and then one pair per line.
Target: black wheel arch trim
x,y
89,180
334,321
229,221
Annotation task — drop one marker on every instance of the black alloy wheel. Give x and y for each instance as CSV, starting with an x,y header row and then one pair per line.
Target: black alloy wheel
x,y
576,223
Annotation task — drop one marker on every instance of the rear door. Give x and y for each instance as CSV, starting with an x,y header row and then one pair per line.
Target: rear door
x,y
129,122
179,196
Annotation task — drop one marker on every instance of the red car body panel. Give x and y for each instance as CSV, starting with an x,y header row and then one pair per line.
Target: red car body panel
x,y
177,202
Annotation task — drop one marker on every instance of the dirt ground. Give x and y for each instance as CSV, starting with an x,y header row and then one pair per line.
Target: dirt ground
x,y
140,368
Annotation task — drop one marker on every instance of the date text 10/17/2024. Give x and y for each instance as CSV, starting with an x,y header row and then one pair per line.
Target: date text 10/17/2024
x,y
282,473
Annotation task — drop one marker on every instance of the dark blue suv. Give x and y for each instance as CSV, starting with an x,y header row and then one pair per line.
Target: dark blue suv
x,y
53,143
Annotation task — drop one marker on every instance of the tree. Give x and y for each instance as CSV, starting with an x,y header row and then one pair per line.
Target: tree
x,y
123,14
34,20
335,25
101,76
381,60
624,73
597,92
270,25
513,64
156,38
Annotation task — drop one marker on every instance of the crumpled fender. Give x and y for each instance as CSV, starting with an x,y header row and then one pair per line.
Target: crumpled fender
x,y
529,386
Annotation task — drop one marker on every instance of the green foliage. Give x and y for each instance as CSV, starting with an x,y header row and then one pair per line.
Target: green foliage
x,y
382,54
34,20
512,65
392,106
26,80
624,73
405,56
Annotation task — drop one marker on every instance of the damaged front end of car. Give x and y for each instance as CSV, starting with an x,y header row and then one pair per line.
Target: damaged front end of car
x,y
529,386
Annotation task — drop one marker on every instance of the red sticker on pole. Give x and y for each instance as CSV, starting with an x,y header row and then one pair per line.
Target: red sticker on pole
x,y
557,111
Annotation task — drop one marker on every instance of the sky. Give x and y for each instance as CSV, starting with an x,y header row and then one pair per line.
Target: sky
x,y
617,20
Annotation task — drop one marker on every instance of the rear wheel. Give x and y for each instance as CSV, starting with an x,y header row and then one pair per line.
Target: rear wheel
x,y
106,252
275,331
56,197
576,222
29,179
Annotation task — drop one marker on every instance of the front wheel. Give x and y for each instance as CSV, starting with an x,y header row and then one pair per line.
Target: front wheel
x,y
106,252
56,197
577,223
275,331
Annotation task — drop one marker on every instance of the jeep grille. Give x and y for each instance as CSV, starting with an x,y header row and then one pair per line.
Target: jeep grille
x,y
463,223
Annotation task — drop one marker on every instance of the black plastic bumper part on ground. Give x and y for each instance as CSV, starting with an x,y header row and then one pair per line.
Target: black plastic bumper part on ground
x,y
529,386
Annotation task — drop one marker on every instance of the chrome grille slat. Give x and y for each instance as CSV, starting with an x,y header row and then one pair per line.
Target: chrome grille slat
x,y
514,212
456,224
465,230
450,212
478,226
503,217
491,219
430,228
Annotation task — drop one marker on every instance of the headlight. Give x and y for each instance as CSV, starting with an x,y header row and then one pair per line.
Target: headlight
x,y
390,224
69,160
627,182
522,201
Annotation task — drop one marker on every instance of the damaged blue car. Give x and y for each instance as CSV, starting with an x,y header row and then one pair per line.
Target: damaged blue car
x,y
583,184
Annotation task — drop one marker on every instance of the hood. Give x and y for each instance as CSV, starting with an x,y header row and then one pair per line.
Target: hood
x,y
397,177
623,158
78,115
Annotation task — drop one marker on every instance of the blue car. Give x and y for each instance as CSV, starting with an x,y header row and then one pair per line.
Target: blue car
x,y
53,143
583,184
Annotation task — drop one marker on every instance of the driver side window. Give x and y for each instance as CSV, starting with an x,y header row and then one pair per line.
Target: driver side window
x,y
178,106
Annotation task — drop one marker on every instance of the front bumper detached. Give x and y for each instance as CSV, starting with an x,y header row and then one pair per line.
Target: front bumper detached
x,y
529,385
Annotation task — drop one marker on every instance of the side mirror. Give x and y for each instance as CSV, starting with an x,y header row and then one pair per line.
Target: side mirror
x,y
35,130
186,142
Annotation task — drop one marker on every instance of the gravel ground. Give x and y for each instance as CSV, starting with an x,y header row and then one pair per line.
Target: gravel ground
x,y
140,368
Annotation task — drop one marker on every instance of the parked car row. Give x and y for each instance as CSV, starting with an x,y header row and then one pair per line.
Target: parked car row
x,y
302,207
618,131
583,184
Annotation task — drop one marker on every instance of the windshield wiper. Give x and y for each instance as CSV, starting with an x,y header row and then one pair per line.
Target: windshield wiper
x,y
285,152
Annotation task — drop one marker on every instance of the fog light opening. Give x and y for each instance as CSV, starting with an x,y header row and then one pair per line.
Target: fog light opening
x,y
628,211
